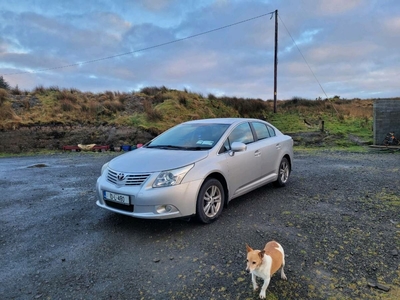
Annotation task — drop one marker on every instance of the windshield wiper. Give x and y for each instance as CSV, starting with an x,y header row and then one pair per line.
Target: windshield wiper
x,y
166,147
172,147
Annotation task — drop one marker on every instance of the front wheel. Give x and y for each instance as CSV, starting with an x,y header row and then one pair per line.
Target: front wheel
x,y
283,173
210,201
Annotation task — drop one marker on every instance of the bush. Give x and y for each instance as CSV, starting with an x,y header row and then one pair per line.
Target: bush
x,y
4,84
182,100
39,90
66,95
95,107
246,107
109,95
3,96
211,97
16,91
152,91
54,88
122,98
152,114
113,106
66,105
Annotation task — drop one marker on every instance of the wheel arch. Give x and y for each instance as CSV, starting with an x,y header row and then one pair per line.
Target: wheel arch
x,y
222,180
287,156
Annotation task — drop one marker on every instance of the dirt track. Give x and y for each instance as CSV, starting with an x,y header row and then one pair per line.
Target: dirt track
x,y
338,220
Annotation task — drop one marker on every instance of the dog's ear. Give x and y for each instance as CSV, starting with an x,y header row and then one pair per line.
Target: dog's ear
x,y
248,248
261,254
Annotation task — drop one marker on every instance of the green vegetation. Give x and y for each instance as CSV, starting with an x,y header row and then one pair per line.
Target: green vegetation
x,y
4,84
332,122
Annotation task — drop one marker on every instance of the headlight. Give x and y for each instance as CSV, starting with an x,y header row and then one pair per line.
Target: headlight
x,y
104,167
171,177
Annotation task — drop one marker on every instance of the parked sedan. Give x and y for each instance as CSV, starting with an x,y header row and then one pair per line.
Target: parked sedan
x,y
195,169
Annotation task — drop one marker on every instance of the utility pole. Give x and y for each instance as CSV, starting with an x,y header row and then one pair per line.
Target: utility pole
x,y
276,59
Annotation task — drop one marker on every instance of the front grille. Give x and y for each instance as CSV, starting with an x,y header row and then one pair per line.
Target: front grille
x,y
119,178
119,206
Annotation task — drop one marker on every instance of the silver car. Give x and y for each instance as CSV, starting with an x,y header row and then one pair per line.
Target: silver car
x,y
195,169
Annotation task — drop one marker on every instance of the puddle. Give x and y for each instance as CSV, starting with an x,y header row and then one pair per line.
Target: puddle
x,y
38,166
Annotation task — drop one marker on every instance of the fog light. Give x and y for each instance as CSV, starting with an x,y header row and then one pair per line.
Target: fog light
x,y
165,208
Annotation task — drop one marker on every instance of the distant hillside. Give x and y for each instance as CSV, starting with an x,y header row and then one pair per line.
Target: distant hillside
x,y
155,109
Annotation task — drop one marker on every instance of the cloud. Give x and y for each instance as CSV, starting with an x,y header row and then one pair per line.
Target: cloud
x,y
156,5
392,26
340,53
351,46
329,7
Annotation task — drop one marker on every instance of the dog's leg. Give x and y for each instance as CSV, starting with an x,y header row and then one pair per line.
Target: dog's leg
x,y
253,280
264,287
283,276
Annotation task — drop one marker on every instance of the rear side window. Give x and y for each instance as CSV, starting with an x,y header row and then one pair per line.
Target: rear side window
x,y
261,130
271,131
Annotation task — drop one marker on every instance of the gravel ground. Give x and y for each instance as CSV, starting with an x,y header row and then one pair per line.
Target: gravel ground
x,y
338,220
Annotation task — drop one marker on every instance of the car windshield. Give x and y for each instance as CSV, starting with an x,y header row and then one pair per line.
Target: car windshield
x,y
190,137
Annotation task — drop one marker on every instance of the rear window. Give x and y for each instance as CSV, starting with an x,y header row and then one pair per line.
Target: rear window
x,y
261,130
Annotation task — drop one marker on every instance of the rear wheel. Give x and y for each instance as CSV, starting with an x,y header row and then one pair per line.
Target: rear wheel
x,y
283,173
210,201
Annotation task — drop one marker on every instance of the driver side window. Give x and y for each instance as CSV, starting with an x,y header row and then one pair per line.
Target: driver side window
x,y
241,133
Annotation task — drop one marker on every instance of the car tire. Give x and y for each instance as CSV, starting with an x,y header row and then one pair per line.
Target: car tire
x,y
283,173
210,201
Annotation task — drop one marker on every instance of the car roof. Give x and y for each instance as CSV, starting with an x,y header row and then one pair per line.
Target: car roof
x,y
221,120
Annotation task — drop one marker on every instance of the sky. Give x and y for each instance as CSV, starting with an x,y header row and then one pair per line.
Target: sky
x,y
326,48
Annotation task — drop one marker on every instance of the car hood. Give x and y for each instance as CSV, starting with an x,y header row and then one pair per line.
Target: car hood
x,y
154,160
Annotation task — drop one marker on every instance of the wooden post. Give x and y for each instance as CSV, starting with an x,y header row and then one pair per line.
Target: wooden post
x,y
276,59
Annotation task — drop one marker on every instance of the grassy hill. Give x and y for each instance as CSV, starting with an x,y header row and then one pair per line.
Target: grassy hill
x,y
325,123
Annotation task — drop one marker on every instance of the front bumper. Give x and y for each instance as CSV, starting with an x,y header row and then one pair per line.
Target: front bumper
x,y
147,202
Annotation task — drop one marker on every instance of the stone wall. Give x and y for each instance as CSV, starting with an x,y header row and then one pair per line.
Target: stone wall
x,y
386,119
48,137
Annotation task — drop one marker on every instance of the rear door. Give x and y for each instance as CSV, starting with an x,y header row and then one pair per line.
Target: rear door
x,y
269,149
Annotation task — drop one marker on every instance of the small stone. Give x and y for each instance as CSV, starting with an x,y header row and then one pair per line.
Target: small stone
x,y
378,286
382,287
156,260
394,252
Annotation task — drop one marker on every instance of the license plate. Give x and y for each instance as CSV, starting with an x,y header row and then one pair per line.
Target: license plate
x,y
119,198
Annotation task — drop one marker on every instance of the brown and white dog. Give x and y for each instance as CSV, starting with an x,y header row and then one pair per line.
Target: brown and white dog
x,y
264,263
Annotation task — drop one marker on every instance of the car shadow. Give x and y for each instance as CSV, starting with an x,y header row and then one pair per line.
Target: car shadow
x,y
127,223
236,208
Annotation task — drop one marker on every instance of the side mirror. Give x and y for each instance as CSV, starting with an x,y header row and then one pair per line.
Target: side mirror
x,y
237,147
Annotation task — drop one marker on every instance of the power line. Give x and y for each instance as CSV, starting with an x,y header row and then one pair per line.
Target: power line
x,y
307,64
143,49
294,42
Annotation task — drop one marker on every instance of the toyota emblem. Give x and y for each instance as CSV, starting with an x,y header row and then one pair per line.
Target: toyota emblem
x,y
121,176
